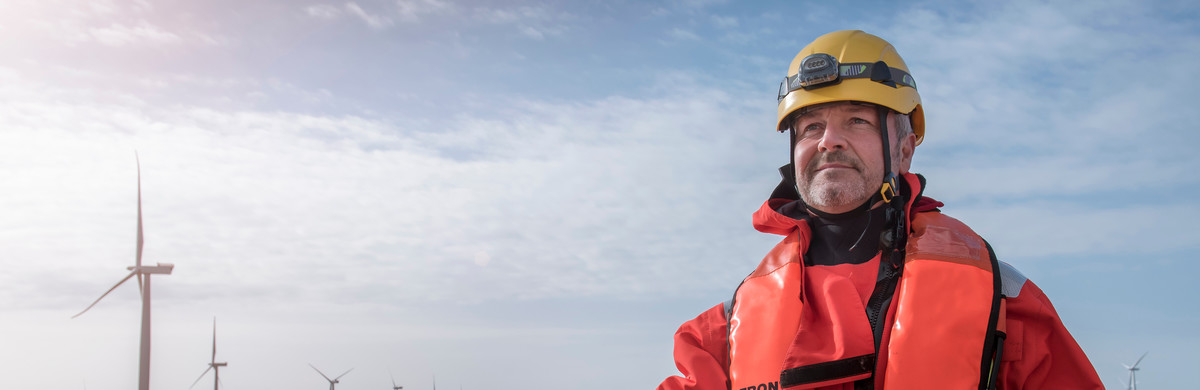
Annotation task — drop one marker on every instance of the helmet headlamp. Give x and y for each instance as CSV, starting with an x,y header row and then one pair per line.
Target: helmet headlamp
x,y
822,70
816,70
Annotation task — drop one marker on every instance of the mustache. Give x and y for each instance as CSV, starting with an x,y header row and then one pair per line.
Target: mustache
x,y
837,156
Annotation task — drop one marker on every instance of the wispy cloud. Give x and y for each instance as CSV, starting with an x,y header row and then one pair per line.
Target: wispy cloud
x,y
725,21
382,16
534,22
374,20
682,34
142,32
412,10
697,3
323,11
377,22
107,24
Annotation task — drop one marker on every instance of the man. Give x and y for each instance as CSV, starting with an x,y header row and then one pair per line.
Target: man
x,y
872,287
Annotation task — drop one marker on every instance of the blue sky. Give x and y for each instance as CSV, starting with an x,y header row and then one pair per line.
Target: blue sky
x,y
535,195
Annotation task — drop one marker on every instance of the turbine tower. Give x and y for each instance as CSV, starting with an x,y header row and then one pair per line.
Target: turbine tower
x,y
143,273
1133,370
214,366
333,381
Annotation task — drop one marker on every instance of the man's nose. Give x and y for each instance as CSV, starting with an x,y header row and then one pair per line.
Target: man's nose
x,y
832,139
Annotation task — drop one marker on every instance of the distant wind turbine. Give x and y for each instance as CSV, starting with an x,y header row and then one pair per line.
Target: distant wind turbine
x,y
214,366
394,387
1133,370
143,287
331,381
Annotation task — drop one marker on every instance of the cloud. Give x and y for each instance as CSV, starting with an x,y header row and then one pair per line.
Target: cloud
x,y
100,26
406,11
329,12
725,21
697,4
143,32
531,32
376,22
532,22
560,199
513,15
412,10
682,34
323,11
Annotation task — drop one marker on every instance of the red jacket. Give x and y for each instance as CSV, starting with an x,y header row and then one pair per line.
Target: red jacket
x,y
1039,353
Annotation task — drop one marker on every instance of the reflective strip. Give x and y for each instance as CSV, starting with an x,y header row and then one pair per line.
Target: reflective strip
x,y
1011,280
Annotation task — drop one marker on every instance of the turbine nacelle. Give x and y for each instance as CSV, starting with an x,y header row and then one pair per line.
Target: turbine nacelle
x,y
1132,385
160,268
331,381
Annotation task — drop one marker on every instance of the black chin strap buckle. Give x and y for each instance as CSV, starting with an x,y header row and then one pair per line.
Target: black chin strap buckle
x,y
890,186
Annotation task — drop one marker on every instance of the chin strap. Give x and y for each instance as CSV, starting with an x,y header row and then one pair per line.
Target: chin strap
x,y
895,232
890,186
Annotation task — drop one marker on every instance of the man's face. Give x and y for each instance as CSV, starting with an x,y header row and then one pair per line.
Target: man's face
x,y
839,160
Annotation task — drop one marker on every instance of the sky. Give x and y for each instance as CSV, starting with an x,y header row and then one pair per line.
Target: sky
x,y
534,195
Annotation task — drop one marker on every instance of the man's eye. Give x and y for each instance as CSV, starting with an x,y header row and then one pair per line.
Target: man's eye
x,y
810,129
860,121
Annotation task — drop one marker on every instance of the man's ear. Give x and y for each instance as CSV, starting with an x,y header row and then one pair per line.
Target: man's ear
x,y
908,145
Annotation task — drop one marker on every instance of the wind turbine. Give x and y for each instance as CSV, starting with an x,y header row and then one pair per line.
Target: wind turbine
x,y
1133,370
331,381
144,288
214,366
394,387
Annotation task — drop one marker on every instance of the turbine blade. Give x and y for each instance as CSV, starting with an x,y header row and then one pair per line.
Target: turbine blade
x,y
1140,359
319,372
343,374
140,239
201,377
114,287
393,379
140,283
214,356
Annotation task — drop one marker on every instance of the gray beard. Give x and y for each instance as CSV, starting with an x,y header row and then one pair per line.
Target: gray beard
x,y
829,195
826,193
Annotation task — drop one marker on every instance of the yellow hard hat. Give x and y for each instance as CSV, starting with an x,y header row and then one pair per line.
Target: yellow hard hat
x,y
850,65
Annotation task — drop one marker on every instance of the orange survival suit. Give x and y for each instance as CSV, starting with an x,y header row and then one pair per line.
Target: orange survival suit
x,y
795,326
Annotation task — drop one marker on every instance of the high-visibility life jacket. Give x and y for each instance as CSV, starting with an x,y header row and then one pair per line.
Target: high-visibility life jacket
x,y
944,317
